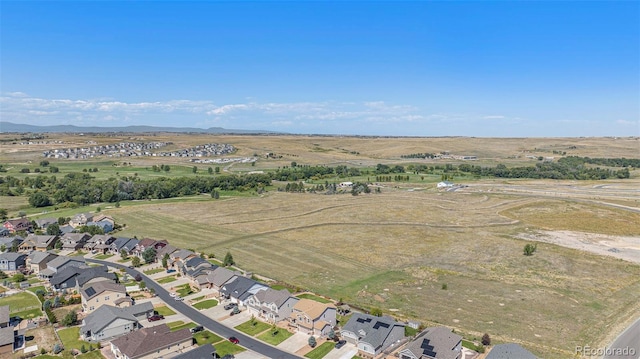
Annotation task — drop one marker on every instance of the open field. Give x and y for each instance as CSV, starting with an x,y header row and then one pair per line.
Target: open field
x,y
396,249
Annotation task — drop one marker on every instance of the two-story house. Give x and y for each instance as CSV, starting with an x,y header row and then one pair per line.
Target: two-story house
x,y
99,243
59,263
104,292
123,244
74,278
37,261
152,343
80,219
74,241
20,224
238,290
12,261
312,317
6,333
272,305
371,334
35,242
109,322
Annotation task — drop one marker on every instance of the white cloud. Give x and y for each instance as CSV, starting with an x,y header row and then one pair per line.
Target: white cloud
x,y
493,117
627,123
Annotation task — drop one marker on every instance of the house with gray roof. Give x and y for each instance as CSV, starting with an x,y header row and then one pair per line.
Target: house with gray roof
x,y
74,241
95,295
35,242
10,242
59,263
4,232
206,351
43,223
219,276
272,305
434,343
509,351
66,229
6,332
168,249
37,261
11,261
76,277
109,322
81,219
123,243
371,334
152,342
240,289
99,242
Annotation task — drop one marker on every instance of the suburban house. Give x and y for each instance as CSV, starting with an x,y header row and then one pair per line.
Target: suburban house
x,y
103,292
168,249
152,342
35,242
219,276
37,261
66,229
434,343
80,219
4,232
110,322
10,242
100,243
313,318
106,226
76,277
146,243
15,225
240,289
6,332
43,223
272,305
508,351
60,263
372,334
206,351
123,243
195,267
104,218
11,261
180,255
74,241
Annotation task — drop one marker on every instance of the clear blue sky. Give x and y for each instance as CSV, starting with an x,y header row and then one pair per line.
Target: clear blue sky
x,y
502,68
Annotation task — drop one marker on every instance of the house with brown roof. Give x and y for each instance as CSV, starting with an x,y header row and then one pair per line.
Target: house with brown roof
x,y
152,342
148,243
272,305
434,343
15,225
35,242
313,318
74,241
81,219
104,292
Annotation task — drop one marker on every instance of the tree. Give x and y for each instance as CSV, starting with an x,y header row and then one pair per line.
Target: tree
x,y
142,285
57,348
149,255
210,170
70,319
332,334
529,249
165,260
194,169
228,260
135,262
124,254
44,163
53,229
61,221
18,277
486,339
3,248
39,199
217,169
4,214
376,312
312,341
58,244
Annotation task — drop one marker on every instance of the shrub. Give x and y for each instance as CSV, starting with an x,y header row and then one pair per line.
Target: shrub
x,y
486,339
529,249
57,348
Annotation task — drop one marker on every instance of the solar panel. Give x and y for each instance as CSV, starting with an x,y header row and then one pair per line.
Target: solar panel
x,y
90,291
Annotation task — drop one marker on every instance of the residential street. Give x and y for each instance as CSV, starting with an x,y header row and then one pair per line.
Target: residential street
x,y
196,316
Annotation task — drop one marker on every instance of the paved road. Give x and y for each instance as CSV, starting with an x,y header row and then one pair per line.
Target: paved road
x,y
629,340
212,325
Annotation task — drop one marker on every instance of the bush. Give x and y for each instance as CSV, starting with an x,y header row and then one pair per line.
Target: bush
x,y
83,349
312,341
486,339
529,249
57,348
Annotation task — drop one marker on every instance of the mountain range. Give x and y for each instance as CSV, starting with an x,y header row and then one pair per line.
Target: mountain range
x,y
22,128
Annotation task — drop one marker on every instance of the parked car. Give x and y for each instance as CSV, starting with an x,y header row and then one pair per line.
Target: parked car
x,y
173,294
230,306
155,317
234,340
171,270
199,328
179,299
340,344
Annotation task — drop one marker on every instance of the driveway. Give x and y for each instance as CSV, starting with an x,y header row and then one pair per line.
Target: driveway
x,y
250,355
212,325
237,319
218,312
295,342
348,351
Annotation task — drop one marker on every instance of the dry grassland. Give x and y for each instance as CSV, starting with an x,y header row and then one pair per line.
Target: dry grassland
x,y
395,250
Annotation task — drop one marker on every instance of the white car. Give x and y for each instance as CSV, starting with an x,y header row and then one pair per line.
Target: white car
x,y
179,299
173,295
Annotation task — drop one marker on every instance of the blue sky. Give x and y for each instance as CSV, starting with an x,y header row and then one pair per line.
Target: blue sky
x,y
482,68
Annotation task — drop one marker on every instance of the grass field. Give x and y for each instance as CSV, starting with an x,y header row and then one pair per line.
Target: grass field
x,y
254,328
226,347
70,339
313,297
25,305
154,271
395,250
206,337
167,279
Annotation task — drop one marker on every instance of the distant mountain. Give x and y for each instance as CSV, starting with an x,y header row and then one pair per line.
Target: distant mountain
x,y
21,128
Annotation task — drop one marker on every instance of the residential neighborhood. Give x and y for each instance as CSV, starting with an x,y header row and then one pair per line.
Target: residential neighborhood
x,y
130,298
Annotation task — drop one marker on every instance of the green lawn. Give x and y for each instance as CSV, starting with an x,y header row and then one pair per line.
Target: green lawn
x,y
321,351
186,325
71,339
281,336
198,298
91,355
281,287
34,280
124,260
164,310
226,347
154,271
165,280
184,290
23,304
409,332
314,297
35,289
104,256
206,304
177,323
206,337
251,329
